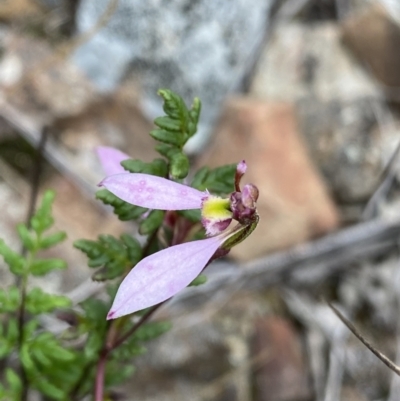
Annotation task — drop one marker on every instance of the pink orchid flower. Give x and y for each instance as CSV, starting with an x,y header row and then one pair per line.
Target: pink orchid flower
x,y
160,276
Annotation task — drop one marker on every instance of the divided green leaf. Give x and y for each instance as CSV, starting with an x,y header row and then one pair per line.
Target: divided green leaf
x,y
113,255
125,211
219,181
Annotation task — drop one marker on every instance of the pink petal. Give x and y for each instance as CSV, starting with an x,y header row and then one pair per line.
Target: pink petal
x,y
161,275
153,192
111,159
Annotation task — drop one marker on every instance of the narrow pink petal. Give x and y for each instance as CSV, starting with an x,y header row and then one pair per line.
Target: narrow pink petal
x,y
153,192
110,159
161,275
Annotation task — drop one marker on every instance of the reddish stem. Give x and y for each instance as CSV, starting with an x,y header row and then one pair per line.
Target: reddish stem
x,y
100,372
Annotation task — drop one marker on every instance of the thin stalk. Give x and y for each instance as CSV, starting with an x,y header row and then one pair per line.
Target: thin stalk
x,y
112,342
134,328
101,364
100,373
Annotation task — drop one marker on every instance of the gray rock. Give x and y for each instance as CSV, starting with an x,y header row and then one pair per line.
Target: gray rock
x,y
205,357
196,48
341,109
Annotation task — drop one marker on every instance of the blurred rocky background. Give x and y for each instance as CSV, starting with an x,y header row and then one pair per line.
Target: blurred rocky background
x,y
308,93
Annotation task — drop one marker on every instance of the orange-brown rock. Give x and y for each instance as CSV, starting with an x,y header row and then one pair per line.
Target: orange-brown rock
x,y
374,38
280,366
294,205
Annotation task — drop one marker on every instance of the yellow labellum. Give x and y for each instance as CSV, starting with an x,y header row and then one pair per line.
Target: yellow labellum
x,y
215,208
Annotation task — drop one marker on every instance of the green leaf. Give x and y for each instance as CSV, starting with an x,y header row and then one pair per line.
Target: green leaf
x,y
40,267
113,255
174,106
42,220
179,120
167,151
29,242
219,181
151,330
50,390
117,374
192,215
152,222
12,331
93,345
123,210
37,301
8,337
95,312
9,299
168,124
171,138
179,166
13,381
41,357
26,358
15,262
105,273
134,250
52,240
199,280
157,167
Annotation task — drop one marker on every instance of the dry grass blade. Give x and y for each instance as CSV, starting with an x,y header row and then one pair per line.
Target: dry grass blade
x,y
389,363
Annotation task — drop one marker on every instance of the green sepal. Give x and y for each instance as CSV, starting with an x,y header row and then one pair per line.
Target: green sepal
x,y
240,235
40,267
199,280
152,222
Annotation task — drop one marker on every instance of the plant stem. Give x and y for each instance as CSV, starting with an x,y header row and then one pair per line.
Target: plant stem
x,y
112,342
109,347
134,328
100,372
